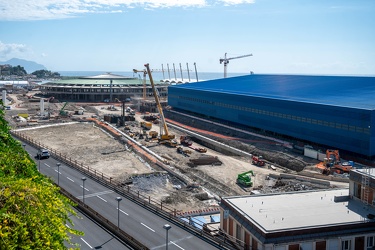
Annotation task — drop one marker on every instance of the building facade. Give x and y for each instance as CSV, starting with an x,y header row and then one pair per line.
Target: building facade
x,y
101,88
309,220
332,111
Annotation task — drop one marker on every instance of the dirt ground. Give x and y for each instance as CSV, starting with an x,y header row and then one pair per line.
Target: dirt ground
x,y
93,147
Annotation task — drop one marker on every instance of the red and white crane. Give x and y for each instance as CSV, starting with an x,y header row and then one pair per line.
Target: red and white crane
x,y
225,60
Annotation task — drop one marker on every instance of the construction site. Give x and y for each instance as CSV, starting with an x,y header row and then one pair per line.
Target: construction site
x,y
186,162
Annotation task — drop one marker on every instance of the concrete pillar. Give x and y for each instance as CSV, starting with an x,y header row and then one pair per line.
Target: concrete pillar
x,y
4,97
41,106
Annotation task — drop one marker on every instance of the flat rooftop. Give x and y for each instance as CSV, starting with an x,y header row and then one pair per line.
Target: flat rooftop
x,y
369,171
343,91
300,210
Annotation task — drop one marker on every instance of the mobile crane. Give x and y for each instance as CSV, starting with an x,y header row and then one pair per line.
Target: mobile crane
x,y
225,60
165,137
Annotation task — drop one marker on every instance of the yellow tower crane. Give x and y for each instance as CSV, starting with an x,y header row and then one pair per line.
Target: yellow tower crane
x,y
165,136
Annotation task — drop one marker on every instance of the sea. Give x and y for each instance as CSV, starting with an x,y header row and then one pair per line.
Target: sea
x,y
185,76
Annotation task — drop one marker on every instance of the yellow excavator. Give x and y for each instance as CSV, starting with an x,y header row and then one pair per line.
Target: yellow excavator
x,y
165,137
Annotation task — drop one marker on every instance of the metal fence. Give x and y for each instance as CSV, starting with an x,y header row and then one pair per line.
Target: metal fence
x,y
155,206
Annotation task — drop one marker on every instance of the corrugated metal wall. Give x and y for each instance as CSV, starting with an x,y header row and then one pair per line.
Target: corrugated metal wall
x,y
350,129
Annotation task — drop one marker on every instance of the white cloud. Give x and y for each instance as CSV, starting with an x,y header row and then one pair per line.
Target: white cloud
x,y
11,49
58,9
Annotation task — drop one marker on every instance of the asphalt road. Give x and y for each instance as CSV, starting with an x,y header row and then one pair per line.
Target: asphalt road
x,y
95,236
137,221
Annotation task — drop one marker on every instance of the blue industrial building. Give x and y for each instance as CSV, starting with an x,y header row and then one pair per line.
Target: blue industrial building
x,y
334,111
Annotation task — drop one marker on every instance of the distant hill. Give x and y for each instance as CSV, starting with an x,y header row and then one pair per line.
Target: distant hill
x,y
29,66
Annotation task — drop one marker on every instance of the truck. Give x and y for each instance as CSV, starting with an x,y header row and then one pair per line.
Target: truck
x,y
186,140
146,125
258,160
245,179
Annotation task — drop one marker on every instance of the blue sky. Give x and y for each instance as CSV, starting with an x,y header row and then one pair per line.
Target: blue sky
x,y
320,37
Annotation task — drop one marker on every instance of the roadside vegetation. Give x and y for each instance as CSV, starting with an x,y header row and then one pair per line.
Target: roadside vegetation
x,y
33,214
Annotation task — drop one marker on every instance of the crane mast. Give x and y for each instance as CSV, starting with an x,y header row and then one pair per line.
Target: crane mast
x,y
144,81
166,135
225,60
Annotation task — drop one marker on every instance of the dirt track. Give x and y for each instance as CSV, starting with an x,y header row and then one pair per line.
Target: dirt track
x,y
88,144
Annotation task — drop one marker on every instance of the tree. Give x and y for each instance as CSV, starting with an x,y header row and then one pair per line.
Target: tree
x,y
45,74
17,70
33,214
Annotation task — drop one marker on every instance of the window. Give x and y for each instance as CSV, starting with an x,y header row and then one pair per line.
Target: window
x,y
346,244
370,242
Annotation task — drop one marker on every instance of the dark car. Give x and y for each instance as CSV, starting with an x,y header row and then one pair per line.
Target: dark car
x,y
43,153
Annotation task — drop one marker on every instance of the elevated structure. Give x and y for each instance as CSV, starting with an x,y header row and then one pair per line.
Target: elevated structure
x,y
333,111
105,87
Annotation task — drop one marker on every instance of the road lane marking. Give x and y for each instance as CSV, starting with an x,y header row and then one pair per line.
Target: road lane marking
x,y
181,239
70,179
148,227
67,225
100,193
47,165
86,243
122,211
56,171
85,188
176,245
101,198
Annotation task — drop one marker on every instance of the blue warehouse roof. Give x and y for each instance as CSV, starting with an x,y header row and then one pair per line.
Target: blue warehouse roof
x,y
344,91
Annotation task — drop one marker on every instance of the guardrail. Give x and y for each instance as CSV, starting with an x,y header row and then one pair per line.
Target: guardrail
x,y
105,222
147,202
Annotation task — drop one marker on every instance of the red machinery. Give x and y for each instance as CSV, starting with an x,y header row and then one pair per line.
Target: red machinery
x,y
258,160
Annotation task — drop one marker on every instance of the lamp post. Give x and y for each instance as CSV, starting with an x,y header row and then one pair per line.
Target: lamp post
x,y
118,199
24,145
58,173
83,189
166,227
39,163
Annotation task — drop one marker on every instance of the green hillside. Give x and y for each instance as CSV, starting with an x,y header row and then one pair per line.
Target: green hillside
x,y
33,213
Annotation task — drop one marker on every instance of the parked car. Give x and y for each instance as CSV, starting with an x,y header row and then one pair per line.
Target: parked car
x,y
43,153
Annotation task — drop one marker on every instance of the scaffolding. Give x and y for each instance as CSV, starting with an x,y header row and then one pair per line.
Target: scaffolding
x,y
366,185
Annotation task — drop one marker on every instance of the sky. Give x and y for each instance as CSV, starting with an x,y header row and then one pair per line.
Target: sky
x,y
318,37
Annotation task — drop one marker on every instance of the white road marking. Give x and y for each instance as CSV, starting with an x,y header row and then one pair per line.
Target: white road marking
x,y
86,243
56,171
122,211
101,198
99,193
67,225
85,188
47,165
148,227
70,179
182,239
177,245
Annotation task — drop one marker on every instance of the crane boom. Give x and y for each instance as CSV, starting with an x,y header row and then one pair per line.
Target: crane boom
x,y
166,135
225,60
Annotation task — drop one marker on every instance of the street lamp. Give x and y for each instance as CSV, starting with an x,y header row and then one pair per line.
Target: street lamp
x,y
24,145
166,227
118,199
83,188
58,173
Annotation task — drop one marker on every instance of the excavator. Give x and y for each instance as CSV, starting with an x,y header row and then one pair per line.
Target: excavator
x,y
332,163
62,112
165,137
